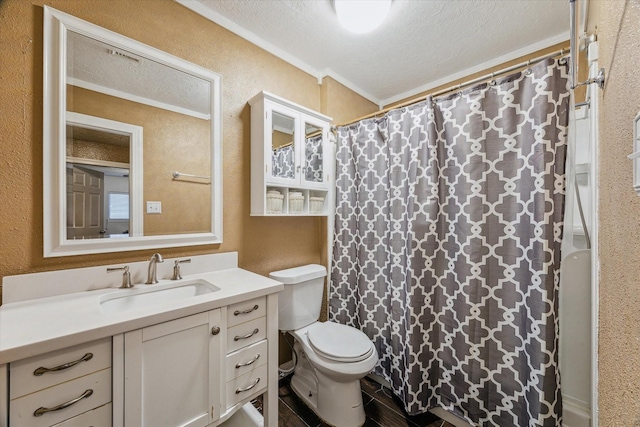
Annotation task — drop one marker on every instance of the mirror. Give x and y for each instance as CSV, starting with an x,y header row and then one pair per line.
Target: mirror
x,y
283,156
282,144
312,153
132,156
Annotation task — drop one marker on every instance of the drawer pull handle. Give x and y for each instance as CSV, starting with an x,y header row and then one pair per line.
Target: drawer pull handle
x,y
241,390
255,331
41,411
238,312
250,362
41,370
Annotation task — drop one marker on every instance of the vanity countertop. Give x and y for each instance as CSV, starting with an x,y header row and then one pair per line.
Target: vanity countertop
x,y
37,326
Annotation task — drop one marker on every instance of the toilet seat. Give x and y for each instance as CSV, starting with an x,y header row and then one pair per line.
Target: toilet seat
x,y
339,343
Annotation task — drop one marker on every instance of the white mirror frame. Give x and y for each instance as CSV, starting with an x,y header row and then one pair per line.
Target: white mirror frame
x,y
56,25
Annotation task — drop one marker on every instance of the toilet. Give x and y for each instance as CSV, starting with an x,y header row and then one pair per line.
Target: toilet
x,y
330,358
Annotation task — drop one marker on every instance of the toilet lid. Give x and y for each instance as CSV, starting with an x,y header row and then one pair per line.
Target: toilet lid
x,y
339,342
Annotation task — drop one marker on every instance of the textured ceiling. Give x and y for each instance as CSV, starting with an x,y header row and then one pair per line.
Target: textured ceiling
x,y
423,43
90,61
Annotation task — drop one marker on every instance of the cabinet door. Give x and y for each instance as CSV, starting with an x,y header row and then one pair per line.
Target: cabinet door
x,y
314,154
282,155
172,373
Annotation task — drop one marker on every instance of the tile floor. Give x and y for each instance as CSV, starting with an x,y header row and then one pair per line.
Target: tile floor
x,y
381,408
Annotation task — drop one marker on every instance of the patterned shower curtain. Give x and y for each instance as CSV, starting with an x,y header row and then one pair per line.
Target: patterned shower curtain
x,y
313,158
447,247
283,162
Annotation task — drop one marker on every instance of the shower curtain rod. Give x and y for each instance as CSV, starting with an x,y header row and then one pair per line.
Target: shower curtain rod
x,y
454,88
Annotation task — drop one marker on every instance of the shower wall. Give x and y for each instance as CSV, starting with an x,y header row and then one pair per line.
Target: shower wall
x,y
576,295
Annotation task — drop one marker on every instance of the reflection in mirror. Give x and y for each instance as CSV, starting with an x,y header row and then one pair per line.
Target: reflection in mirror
x,y
283,154
97,183
127,88
102,157
173,109
312,153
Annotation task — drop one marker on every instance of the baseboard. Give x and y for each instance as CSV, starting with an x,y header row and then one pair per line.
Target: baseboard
x,y
574,416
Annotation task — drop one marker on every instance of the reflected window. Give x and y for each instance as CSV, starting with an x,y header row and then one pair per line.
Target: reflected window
x,y
118,206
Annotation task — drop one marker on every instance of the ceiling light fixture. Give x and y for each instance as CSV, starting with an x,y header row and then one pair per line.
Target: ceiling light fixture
x,y
361,16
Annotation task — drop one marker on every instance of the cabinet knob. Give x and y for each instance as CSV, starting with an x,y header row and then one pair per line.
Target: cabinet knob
x,y
215,330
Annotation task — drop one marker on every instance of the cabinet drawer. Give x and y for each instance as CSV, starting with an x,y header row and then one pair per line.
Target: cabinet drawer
x,y
246,385
246,311
21,410
246,360
246,333
26,376
99,417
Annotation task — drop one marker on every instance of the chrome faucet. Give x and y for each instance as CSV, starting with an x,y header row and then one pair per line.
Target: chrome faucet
x,y
152,277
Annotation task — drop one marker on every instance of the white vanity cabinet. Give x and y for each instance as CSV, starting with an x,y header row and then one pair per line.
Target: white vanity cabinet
x,y
62,388
291,158
198,370
171,372
191,361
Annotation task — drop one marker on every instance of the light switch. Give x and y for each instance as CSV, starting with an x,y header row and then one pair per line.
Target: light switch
x,y
154,207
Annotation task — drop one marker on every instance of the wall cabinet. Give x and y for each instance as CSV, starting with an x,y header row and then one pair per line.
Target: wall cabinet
x,y
291,158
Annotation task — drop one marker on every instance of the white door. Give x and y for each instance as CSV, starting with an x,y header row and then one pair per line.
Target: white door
x,y
172,373
85,195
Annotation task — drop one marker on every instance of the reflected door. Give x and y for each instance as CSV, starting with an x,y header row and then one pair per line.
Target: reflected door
x,y
85,193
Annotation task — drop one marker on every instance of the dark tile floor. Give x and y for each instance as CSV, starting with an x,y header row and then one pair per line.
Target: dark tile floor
x,y
382,409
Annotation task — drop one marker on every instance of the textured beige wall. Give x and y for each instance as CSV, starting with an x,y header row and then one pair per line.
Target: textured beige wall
x,y
94,150
618,31
342,104
264,244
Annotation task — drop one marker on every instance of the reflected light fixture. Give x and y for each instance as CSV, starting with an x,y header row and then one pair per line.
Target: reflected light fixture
x,y
361,16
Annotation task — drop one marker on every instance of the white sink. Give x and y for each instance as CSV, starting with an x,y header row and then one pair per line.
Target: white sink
x,y
143,298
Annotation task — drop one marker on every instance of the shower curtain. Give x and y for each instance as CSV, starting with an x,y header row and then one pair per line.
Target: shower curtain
x,y
283,162
313,158
447,247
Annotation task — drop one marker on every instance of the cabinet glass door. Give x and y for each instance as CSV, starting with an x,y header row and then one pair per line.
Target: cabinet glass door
x,y
314,171
282,149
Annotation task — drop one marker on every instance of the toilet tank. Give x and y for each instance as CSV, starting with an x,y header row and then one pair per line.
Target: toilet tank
x,y
300,301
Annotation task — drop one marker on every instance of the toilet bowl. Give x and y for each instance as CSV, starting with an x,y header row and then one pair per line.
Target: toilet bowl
x,y
330,358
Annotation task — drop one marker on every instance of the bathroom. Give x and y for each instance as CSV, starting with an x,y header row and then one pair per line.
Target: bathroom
x,y
266,244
